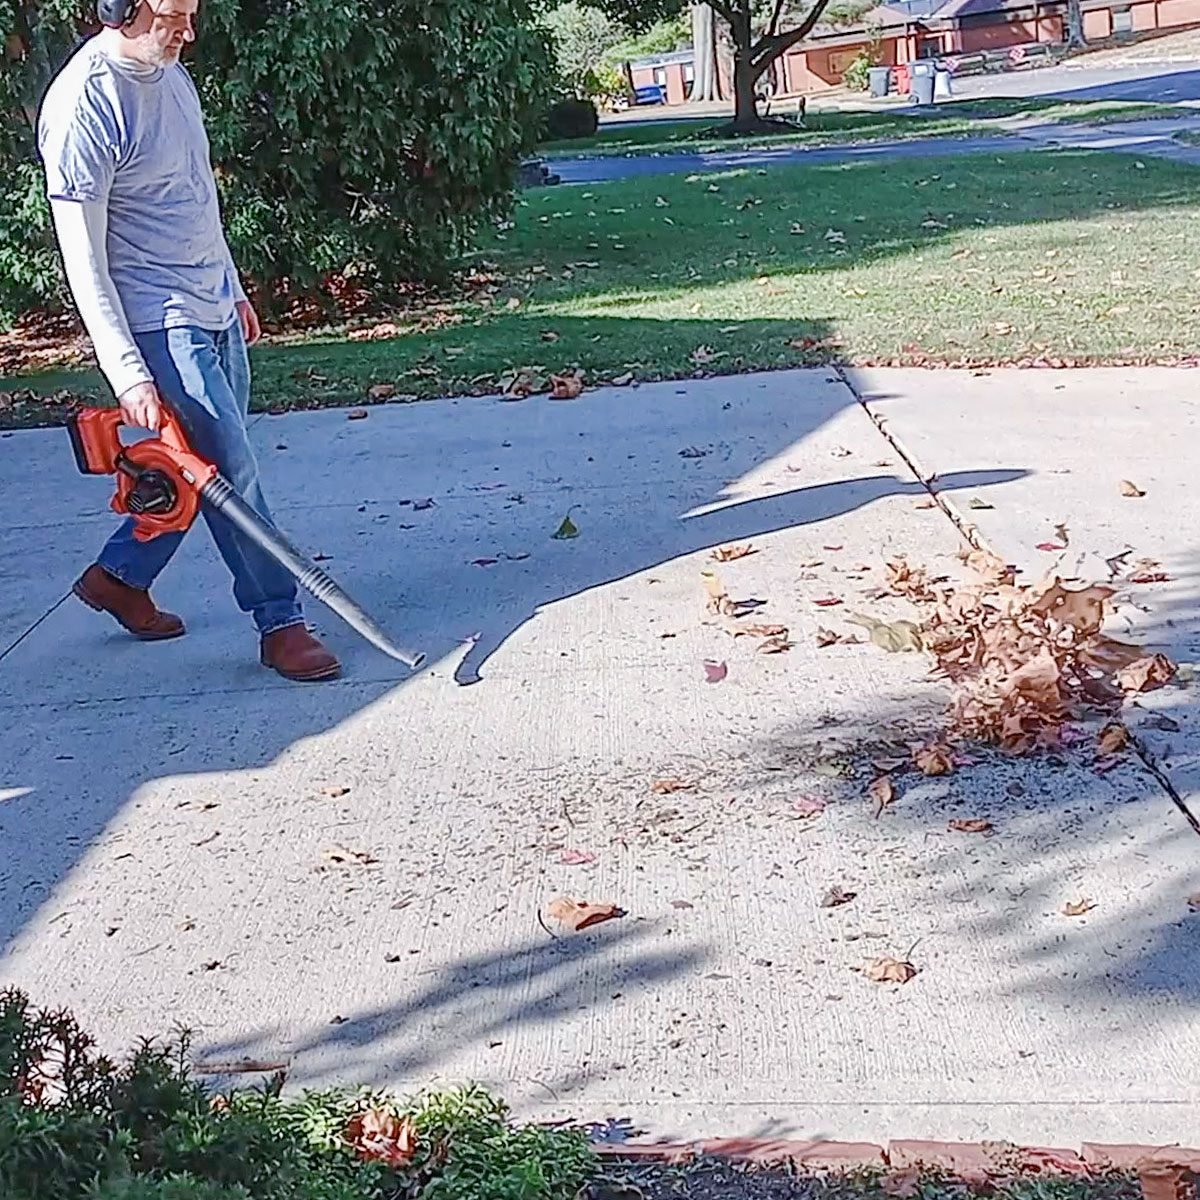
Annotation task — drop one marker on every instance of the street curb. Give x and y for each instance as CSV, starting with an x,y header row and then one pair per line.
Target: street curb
x,y
1165,1172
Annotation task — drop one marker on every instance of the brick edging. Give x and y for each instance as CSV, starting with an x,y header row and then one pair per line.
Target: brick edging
x,y
1164,1170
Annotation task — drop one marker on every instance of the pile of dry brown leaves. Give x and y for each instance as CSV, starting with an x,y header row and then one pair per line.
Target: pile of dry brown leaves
x,y
1025,659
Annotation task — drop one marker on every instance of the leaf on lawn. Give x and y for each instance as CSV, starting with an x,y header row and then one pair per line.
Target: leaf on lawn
x,y
577,914
566,387
882,792
1131,490
971,825
808,806
567,529
828,602
378,1135
1076,908
714,672
550,335
1114,738
890,970
623,380
576,858
703,354
895,637
671,785
836,897
1146,674
934,759
836,236
732,553
381,391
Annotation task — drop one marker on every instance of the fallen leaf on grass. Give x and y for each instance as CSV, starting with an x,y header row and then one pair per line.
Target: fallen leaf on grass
x,y
971,825
623,380
1076,908
380,1136
668,787
732,553
934,759
1131,490
576,858
1114,738
1147,674
578,914
890,970
836,897
568,529
808,806
357,414
704,354
381,391
883,792
715,672
566,387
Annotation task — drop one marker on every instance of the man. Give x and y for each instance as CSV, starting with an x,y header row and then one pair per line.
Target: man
x,y
134,200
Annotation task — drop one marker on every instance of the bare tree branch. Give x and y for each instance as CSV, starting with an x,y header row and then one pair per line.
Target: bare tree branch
x,y
773,27
770,46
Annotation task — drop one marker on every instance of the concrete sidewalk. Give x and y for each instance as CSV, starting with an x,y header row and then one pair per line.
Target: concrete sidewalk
x,y
353,877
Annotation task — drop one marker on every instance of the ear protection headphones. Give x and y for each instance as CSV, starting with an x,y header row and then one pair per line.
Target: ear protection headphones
x,y
117,14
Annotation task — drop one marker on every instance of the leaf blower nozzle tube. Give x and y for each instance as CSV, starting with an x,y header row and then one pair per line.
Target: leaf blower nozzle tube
x,y
219,494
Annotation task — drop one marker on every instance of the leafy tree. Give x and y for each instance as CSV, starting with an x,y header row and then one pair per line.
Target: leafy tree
x,y
760,33
365,139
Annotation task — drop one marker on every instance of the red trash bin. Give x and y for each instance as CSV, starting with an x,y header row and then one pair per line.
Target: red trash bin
x,y
902,81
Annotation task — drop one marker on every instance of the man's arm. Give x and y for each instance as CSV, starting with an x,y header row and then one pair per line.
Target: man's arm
x,y
82,229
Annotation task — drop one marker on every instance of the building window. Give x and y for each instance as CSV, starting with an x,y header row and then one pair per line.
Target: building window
x,y
1122,20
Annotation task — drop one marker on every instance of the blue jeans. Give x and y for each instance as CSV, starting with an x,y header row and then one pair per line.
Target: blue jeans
x,y
204,377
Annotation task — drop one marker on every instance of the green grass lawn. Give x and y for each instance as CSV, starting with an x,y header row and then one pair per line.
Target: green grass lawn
x,y
971,260
957,118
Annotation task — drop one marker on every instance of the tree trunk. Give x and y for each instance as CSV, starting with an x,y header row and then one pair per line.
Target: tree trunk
x,y
1075,38
706,83
745,74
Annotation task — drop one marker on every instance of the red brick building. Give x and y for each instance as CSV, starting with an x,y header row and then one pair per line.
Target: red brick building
x,y
904,30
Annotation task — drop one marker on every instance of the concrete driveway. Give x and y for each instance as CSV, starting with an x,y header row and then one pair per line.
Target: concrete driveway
x,y
354,878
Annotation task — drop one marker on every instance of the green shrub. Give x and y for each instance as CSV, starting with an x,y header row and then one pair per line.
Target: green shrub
x,y
367,139
572,118
75,1126
856,76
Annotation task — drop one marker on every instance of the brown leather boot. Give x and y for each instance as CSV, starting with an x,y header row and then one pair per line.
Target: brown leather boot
x,y
131,606
296,654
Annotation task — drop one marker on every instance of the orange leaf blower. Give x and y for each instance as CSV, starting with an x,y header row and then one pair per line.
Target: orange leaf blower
x,y
161,484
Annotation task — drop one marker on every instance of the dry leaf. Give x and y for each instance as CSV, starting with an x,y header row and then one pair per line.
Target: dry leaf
x,y
934,759
715,672
380,1136
778,644
808,806
890,970
421,505
1131,490
836,897
1193,902
576,858
566,387
827,602
1050,547
1114,738
1147,674
993,568
336,792
623,380
357,414
1148,577
826,637
578,914
567,529
717,598
381,391
667,787
896,637
971,825
343,856
883,792
979,505
1076,908
1082,609
928,502
763,631
902,1185
732,553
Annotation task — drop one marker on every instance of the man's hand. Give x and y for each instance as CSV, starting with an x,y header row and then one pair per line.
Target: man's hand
x,y
251,330
141,407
